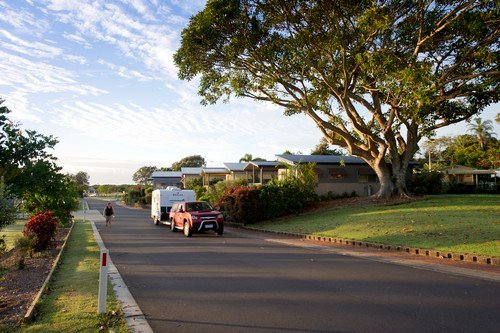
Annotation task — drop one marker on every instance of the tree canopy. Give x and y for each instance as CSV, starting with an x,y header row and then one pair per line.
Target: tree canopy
x,y
21,147
142,175
374,76
323,148
194,161
30,172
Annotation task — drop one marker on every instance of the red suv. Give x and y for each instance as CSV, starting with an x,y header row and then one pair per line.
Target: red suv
x,y
195,217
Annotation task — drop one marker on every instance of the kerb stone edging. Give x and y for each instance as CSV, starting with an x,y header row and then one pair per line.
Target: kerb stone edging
x,y
465,257
31,310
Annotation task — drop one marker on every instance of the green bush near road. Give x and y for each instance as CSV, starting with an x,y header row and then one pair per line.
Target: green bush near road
x,y
71,304
459,223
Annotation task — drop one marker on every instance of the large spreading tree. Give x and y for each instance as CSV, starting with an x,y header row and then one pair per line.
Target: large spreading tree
x,y
375,76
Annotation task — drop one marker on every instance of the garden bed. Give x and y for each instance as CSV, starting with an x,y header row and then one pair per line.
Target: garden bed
x,y
18,287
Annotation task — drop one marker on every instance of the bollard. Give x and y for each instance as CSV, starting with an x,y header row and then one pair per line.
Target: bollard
x,y
103,281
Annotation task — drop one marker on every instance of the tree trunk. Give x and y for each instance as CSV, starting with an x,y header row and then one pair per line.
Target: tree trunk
x,y
391,184
386,185
400,176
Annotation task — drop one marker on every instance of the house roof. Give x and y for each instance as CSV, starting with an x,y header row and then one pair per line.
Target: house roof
x,y
212,171
235,166
319,159
191,171
463,170
166,174
264,165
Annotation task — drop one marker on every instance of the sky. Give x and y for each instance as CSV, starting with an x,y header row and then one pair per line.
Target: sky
x,y
100,76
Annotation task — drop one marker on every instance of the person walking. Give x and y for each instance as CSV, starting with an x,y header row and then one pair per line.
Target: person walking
x,y
108,213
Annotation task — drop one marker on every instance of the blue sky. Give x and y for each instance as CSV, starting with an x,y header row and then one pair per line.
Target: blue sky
x,y
99,75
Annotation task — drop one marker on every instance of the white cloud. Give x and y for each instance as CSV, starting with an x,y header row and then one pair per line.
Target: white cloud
x,y
141,8
151,44
22,20
76,59
29,48
40,77
77,39
122,71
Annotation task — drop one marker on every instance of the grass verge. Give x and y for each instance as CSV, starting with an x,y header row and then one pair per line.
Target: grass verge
x,y
458,223
70,305
12,232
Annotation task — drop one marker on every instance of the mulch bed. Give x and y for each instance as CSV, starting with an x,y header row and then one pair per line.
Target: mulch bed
x,y
18,287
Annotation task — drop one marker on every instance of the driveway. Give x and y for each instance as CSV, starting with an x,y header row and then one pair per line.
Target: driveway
x,y
243,283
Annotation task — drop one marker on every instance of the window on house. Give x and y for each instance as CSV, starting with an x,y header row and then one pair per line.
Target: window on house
x,y
367,176
337,173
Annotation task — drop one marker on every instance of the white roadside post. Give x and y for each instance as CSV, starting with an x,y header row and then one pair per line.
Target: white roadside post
x,y
103,280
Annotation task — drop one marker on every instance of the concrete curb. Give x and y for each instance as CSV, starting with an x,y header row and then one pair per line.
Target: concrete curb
x,y
464,257
31,310
134,318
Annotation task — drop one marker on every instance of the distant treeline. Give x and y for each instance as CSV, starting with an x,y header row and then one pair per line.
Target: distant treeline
x,y
111,189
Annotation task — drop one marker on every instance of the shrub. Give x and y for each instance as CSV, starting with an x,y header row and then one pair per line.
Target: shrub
x,y
242,204
427,183
214,193
43,226
196,184
26,245
278,197
52,192
133,196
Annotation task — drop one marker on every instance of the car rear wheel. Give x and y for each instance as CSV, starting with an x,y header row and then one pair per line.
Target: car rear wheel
x,y
172,225
220,231
188,232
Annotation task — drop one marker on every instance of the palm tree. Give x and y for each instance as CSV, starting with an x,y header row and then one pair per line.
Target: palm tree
x,y
246,158
483,131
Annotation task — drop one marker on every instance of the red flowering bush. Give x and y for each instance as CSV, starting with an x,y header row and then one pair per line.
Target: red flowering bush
x,y
43,226
242,204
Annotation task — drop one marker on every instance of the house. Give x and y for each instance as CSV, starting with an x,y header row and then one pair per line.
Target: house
x,y
338,174
210,175
162,179
190,173
482,179
262,172
237,171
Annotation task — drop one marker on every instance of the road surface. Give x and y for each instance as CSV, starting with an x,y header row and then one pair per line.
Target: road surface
x,y
243,283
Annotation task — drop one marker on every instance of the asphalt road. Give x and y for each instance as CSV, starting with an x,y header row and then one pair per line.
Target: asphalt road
x,y
241,283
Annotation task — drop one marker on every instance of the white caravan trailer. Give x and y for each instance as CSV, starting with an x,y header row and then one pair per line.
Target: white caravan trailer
x,y
162,201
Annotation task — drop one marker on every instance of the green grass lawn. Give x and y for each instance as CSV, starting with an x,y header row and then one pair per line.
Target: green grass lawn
x,y
71,304
459,223
12,232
